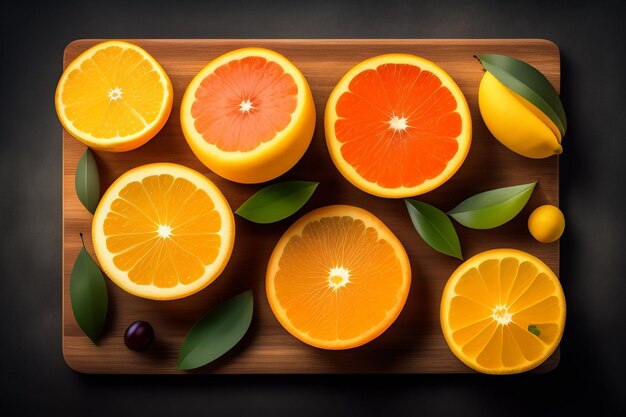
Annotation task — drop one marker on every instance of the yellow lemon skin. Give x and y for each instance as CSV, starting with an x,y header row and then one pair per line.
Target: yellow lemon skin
x,y
515,122
546,223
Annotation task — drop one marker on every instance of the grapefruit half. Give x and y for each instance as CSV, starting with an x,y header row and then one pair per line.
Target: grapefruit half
x,y
248,115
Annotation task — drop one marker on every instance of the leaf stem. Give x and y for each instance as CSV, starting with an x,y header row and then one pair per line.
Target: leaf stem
x,y
81,239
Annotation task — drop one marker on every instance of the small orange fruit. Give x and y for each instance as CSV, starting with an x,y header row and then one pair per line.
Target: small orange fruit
x,y
338,278
248,115
163,231
503,312
397,126
546,223
114,97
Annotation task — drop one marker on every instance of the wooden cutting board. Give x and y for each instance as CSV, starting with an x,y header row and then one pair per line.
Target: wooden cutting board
x,y
414,343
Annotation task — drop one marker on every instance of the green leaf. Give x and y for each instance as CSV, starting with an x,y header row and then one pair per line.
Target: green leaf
x,y
534,330
529,83
277,201
434,227
88,293
87,181
492,208
217,332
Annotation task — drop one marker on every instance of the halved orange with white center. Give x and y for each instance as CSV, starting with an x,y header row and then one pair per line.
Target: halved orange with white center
x,y
114,97
248,115
163,231
338,278
503,312
397,126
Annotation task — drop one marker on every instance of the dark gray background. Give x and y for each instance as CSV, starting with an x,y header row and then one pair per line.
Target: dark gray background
x,y
36,381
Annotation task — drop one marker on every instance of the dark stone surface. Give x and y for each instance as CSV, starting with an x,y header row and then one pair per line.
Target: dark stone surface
x,y
36,381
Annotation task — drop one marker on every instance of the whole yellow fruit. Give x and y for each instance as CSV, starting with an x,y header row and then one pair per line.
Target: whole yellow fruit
x,y
515,122
546,223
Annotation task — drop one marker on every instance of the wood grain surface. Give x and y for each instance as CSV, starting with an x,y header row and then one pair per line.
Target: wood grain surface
x,y
414,343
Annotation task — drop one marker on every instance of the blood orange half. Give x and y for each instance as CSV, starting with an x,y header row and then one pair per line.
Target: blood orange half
x,y
397,125
248,115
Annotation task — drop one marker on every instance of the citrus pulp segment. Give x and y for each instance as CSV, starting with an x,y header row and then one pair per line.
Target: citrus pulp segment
x,y
248,115
397,126
503,312
114,96
338,278
163,231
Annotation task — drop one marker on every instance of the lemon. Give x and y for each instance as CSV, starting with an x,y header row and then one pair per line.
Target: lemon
x,y
546,223
515,122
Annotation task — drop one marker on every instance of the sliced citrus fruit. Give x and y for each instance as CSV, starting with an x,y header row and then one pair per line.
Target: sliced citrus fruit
x,y
114,97
163,231
248,115
503,312
338,278
397,126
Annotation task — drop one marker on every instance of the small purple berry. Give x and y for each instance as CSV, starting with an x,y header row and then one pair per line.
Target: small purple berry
x,y
139,335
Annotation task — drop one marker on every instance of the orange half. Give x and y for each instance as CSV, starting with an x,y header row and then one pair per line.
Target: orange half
x,y
114,97
163,231
338,278
397,126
